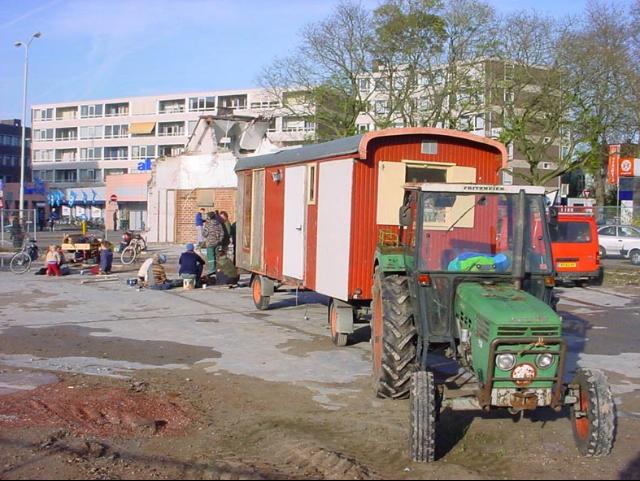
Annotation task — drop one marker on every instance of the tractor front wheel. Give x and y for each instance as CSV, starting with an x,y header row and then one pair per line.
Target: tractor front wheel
x,y
593,415
393,336
423,417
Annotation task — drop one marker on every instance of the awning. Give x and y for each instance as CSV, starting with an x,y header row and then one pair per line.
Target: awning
x,y
142,128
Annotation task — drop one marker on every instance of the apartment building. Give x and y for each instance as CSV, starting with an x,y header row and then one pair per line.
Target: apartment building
x,y
10,150
78,144
481,96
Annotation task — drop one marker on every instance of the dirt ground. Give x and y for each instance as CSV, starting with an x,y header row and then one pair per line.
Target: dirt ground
x,y
201,400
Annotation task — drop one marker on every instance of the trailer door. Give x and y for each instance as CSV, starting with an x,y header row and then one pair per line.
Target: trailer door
x,y
294,222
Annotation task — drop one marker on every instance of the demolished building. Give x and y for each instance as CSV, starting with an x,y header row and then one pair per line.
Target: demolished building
x,y
203,176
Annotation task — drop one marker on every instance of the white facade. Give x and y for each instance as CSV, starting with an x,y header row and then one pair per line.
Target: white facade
x,y
76,144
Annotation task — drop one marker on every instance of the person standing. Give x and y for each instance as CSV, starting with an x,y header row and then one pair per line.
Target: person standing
x,y
115,220
214,236
106,258
53,262
200,226
17,236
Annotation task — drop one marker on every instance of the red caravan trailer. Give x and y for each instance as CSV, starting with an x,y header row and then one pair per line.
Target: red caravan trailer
x,y
311,217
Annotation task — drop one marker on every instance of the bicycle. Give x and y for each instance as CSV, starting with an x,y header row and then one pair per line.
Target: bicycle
x,y
21,262
132,251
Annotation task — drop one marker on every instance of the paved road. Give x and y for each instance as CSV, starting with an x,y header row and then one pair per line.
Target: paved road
x,y
109,329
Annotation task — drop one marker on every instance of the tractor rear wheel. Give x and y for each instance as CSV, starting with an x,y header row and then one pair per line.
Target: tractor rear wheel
x,y
261,302
393,336
423,417
593,415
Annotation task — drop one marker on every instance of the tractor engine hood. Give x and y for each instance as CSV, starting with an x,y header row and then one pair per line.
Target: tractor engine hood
x,y
500,310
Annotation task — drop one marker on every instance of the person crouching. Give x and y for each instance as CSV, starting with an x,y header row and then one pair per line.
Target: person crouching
x,y
191,265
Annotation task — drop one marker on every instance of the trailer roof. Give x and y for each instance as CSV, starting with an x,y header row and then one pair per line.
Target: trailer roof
x,y
345,146
357,145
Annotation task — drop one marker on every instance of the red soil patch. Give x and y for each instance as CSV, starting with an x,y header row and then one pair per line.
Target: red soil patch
x,y
99,411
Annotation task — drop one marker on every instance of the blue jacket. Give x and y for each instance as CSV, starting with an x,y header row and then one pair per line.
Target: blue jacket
x,y
199,220
190,263
106,260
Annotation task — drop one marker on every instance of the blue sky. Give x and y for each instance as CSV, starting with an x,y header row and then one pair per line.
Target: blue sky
x,y
110,48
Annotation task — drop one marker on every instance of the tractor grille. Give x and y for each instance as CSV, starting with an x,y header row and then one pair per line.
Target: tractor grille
x,y
483,328
524,331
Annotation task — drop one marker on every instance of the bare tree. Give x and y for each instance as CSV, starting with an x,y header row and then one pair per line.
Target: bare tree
x,y
599,60
320,79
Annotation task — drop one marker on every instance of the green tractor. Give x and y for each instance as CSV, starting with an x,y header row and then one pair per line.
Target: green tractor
x,y
471,278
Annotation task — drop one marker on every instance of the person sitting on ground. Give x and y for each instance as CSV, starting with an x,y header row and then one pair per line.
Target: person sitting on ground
x,y
143,271
157,276
191,265
227,272
106,258
64,266
53,262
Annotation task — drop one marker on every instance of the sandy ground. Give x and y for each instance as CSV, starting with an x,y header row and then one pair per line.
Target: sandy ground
x,y
104,382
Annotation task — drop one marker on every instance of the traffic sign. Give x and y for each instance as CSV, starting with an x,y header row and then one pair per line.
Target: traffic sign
x,y
113,198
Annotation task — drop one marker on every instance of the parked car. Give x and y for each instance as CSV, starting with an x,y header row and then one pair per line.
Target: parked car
x,y
575,247
620,240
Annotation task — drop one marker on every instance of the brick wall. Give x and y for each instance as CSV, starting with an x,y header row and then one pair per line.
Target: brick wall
x,y
186,209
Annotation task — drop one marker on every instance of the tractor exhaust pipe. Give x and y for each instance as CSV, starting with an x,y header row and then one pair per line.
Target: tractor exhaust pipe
x,y
519,247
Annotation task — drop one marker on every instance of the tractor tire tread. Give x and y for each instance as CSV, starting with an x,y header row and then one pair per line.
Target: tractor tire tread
x,y
423,410
398,340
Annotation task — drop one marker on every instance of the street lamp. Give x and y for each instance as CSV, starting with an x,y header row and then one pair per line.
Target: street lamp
x,y
24,115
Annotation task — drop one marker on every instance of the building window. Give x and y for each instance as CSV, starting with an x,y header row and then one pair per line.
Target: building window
x,y
44,175
479,122
66,155
238,102
116,153
192,126
364,84
272,124
199,104
66,176
93,132
115,172
91,153
43,135
43,155
139,152
170,150
173,106
116,110
90,111
43,115
381,107
116,131
265,104
90,175
173,129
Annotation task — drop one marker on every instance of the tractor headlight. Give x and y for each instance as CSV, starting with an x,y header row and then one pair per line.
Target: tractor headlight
x,y
544,361
505,362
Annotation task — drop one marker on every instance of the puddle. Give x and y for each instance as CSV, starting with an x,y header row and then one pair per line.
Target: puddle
x,y
11,382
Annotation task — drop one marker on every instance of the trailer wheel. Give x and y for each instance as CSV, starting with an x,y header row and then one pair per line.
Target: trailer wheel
x,y
393,336
340,339
423,415
261,302
593,415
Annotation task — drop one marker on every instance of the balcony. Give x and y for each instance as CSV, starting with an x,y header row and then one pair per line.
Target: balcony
x,y
66,113
66,138
116,110
171,133
174,106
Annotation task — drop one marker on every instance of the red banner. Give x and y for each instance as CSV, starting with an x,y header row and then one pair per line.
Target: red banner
x,y
614,164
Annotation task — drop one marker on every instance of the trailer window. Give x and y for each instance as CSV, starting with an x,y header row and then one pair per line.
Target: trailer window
x,y
311,184
420,175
